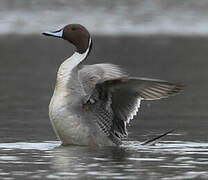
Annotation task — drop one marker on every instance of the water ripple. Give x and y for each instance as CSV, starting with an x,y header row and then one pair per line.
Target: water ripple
x,y
49,160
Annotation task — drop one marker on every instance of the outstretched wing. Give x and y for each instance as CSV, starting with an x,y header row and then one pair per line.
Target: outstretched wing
x,y
115,101
127,93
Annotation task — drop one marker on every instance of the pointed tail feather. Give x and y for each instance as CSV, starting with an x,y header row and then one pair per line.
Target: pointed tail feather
x,y
155,140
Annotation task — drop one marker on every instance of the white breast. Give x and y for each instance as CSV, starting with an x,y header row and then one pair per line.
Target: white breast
x,y
69,124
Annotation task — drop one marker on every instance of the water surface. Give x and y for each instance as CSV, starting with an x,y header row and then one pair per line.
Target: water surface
x,y
29,148
49,160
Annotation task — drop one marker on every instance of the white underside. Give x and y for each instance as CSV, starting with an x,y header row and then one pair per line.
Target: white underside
x,y
134,112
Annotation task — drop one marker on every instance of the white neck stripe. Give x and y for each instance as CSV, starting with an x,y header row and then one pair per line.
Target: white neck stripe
x,y
78,57
69,64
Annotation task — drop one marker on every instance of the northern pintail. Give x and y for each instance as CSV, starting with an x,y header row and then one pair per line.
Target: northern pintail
x,y
93,104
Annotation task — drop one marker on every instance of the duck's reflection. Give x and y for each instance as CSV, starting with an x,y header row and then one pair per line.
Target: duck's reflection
x,y
80,158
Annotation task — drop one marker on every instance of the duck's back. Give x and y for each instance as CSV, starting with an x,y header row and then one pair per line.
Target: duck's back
x,y
90,75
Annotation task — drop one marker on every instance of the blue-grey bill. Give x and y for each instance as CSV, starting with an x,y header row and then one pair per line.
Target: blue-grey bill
x,y
58,33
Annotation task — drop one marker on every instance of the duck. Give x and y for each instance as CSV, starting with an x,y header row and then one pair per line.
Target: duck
x,y
93,104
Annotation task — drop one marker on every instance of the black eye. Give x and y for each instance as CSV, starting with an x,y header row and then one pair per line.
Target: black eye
x,y
74,29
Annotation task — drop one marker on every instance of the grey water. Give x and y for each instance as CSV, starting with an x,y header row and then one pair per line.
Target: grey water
x,y
29,148
47,160
148,38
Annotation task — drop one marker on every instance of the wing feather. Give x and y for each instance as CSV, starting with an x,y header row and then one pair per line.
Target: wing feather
x,y
115,97
127,93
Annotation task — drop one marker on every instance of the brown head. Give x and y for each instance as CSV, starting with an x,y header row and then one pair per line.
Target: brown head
x,y
76,34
